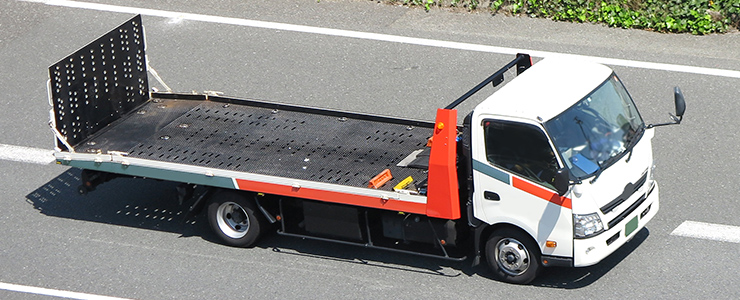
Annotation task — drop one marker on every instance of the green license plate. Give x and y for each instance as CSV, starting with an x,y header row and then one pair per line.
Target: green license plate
x,y
630,227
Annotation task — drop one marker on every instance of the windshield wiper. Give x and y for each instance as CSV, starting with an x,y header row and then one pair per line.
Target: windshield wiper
x,y
602,167
633,141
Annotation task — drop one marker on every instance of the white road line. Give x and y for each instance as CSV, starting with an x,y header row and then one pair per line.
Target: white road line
x,y
381,37
52,292
708,231
26,154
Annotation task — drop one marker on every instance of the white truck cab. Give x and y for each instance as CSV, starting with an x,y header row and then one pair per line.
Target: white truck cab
x,y
563,158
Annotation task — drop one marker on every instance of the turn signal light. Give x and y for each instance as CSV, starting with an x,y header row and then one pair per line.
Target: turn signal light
x,y
551,244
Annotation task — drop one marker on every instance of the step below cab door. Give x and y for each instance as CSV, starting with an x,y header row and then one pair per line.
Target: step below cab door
x,y
514,168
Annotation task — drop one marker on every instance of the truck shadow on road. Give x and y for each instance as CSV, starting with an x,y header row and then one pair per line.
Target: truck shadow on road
x,y
153,205
139,203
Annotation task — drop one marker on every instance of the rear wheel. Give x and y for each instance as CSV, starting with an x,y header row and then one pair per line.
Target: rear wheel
x,y
513,256
235,219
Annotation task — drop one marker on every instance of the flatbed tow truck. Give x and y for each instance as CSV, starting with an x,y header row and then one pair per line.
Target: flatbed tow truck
x,y
554,169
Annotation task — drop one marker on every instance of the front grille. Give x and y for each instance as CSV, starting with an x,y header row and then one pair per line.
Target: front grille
x,y
627,211
629,189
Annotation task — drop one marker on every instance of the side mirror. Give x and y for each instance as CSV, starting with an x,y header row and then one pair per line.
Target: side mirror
x,y
680,109
680,102
562,181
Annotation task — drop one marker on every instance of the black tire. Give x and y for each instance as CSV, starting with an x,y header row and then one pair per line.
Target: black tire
x,y
513,256
235,219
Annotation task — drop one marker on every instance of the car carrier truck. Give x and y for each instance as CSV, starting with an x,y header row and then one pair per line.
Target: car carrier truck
x,y
555,168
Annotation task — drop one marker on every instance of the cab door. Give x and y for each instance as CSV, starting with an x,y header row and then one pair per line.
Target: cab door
x,y
514,169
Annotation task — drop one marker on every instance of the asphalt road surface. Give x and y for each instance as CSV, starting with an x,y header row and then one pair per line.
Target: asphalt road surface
x,y
131,239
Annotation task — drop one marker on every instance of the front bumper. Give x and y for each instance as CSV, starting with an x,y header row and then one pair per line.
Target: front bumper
x,y
587,252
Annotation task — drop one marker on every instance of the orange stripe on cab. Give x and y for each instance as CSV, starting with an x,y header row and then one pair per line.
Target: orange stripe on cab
x,y
541,192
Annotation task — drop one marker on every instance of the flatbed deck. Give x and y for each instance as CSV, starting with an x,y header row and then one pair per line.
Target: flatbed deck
x,y
265,138
106,121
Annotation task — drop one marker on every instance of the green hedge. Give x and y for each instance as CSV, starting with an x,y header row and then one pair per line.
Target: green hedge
x,y
694,16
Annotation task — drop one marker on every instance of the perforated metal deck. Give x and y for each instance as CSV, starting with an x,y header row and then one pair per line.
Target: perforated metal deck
x,y
308,144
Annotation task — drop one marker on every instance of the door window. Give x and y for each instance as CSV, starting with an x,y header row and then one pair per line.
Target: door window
x,y
522,149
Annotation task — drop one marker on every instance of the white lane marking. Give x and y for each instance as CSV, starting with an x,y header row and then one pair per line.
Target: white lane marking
x,y
52,292
708,231
177,16
26,154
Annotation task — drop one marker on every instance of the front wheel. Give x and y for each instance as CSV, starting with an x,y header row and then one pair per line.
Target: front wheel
x,y
512,256
234,219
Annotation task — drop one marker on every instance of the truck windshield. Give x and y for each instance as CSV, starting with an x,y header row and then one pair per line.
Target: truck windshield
x,y
597,130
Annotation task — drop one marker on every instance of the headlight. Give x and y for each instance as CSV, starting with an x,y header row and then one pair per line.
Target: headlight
x,y
587,225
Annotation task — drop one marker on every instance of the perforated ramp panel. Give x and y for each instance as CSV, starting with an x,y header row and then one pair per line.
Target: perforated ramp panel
x,y
99,83
283,143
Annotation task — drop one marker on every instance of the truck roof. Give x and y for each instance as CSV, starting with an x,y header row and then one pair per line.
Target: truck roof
x,y
546,89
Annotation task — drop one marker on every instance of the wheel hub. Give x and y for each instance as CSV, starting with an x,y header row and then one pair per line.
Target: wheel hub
x,y
232,220
512,256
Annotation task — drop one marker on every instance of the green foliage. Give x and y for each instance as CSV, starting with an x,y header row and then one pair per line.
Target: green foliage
x,y
693,16
426,3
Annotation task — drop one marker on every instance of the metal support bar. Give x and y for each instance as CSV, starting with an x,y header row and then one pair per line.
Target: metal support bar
x,y
367,229
676,121
61,138
197,205
522,63
156,76
264,211
282,215
436,238
366,245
